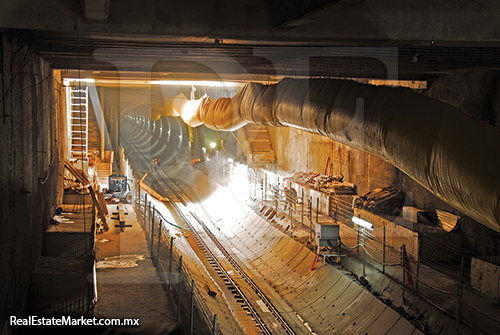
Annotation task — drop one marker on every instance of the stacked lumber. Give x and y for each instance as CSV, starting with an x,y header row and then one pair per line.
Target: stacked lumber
x,y
331,184
73,186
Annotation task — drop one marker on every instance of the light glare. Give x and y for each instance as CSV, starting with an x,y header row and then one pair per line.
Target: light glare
x,y
83,80
189,113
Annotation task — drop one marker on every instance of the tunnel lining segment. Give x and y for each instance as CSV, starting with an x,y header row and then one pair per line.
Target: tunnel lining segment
x,y
310,294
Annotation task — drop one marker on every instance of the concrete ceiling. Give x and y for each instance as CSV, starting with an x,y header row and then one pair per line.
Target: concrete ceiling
x,y
378,39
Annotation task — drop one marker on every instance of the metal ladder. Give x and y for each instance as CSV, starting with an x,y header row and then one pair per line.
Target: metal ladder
x,y
78,117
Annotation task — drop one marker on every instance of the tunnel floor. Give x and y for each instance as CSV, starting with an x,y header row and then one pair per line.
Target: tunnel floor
x,y
385,290
127,281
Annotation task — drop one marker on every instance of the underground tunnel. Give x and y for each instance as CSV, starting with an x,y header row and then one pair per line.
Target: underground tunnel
x,y
326,169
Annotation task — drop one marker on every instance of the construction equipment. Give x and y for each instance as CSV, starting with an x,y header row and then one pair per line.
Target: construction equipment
x,y
118,190
327,235
387,200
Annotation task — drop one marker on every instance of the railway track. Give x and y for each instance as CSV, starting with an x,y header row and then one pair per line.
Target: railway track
x,y
232,285
174,193
286,327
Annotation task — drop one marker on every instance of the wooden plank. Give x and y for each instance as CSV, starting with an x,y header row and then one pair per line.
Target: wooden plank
x,y
81,177
100,198
121,215
153,193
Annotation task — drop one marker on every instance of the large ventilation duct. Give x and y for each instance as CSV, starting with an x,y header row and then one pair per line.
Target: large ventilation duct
x,y
453,155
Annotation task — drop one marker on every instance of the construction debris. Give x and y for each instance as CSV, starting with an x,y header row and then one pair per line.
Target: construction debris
x,y
388,200
331,184
81,177
72,186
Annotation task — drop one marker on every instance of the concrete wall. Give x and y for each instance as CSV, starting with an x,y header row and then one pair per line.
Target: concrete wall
x,y
297,150
485,277
395,235
30,162
313,196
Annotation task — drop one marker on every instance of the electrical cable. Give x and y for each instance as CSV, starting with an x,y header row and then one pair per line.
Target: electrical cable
x,y
48,173
222,145
381,263
371,256
165,220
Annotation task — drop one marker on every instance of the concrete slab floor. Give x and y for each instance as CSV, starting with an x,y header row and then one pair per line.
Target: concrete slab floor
x,y
128,286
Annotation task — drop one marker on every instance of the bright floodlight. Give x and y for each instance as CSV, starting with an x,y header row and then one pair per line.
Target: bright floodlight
x,y
362,223
212,145
195,82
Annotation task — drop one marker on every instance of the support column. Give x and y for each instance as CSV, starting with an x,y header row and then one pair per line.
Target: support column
x,y
103,122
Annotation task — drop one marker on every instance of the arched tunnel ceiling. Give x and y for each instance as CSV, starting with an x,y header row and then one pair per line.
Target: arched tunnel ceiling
x,y
334,38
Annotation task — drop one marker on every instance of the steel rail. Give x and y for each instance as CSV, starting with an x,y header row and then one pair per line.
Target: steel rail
x,y
160,172
245,303
250,282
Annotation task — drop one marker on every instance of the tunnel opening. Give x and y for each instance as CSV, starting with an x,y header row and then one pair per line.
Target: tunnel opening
x,y
136,128
216,155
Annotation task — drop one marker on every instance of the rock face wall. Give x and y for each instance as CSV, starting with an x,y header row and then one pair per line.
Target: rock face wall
x,y
30,131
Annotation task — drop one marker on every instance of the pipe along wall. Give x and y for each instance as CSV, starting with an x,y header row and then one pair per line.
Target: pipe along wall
x,y
451,154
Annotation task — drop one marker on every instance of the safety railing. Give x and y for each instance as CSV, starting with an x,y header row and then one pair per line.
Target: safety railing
x,y
437,256
80,301
187,300
299,210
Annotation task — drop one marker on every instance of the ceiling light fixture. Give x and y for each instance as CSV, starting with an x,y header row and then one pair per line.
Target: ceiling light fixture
x,y
195,83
